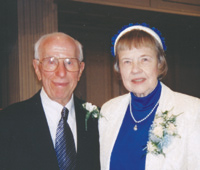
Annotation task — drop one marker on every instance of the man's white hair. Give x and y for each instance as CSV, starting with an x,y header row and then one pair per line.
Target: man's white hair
x,y
42,38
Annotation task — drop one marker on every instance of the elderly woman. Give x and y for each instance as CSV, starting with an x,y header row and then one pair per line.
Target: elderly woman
x,y
151,127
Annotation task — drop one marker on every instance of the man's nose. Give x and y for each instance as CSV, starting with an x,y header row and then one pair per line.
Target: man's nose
x,y
61,71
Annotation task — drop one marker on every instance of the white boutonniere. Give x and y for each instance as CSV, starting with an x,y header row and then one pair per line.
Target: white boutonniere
x,y
161,132
92,111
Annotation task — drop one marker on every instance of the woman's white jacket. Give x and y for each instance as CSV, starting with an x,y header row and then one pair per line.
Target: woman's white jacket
x,y
182,154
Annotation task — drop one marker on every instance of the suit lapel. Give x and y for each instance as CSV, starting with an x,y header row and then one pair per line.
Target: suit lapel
x,y
80,122
166,103
88,141
40,134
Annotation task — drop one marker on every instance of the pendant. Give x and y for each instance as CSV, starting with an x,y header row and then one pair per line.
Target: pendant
x,y
135,128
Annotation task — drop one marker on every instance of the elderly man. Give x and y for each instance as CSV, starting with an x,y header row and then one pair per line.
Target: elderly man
x,y
47,131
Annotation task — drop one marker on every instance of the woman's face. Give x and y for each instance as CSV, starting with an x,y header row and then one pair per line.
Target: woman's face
x,y
139,70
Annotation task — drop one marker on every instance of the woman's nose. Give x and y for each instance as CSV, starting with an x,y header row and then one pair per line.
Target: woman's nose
x,y
135,67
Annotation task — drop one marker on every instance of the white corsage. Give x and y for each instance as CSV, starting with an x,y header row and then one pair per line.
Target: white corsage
x,y
161,132
91,110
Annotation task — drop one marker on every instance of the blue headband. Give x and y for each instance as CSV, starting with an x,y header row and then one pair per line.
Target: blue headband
x,y
144,27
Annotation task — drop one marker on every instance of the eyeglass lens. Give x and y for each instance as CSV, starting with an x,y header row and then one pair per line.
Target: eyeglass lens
x,y
51,63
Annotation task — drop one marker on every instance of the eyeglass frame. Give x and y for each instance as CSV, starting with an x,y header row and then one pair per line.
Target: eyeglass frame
x,y
41,61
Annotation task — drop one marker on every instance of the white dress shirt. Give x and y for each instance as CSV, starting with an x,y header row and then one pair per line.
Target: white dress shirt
x,y
52,112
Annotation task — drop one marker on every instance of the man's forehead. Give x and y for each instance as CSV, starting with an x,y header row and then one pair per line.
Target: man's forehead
x,y
59,39
59,43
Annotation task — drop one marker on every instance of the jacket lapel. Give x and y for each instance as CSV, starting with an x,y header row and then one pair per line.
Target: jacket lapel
x,y
112,122
88,141
80,123
166,103
41,139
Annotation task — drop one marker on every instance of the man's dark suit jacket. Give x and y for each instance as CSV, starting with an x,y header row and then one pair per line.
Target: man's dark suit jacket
x,y
26,144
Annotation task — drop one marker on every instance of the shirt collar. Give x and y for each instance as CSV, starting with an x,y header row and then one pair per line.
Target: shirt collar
x,y
51,104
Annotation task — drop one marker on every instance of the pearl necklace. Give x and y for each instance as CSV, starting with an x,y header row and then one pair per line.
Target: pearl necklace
x,y
139,121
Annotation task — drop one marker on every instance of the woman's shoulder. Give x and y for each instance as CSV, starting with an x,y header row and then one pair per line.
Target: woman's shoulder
x,y
113,110
178,96
115,101
186,98
178,100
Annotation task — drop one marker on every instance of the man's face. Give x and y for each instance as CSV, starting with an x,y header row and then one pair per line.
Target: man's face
x,y
60,83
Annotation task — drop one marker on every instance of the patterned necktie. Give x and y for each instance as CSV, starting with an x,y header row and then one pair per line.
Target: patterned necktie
x,y
65,147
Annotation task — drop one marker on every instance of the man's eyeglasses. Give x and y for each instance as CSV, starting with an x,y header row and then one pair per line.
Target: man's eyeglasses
x,y
51,63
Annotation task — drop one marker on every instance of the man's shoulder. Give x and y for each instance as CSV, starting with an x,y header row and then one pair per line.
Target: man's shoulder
x,y
78,100
78,104
21,107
